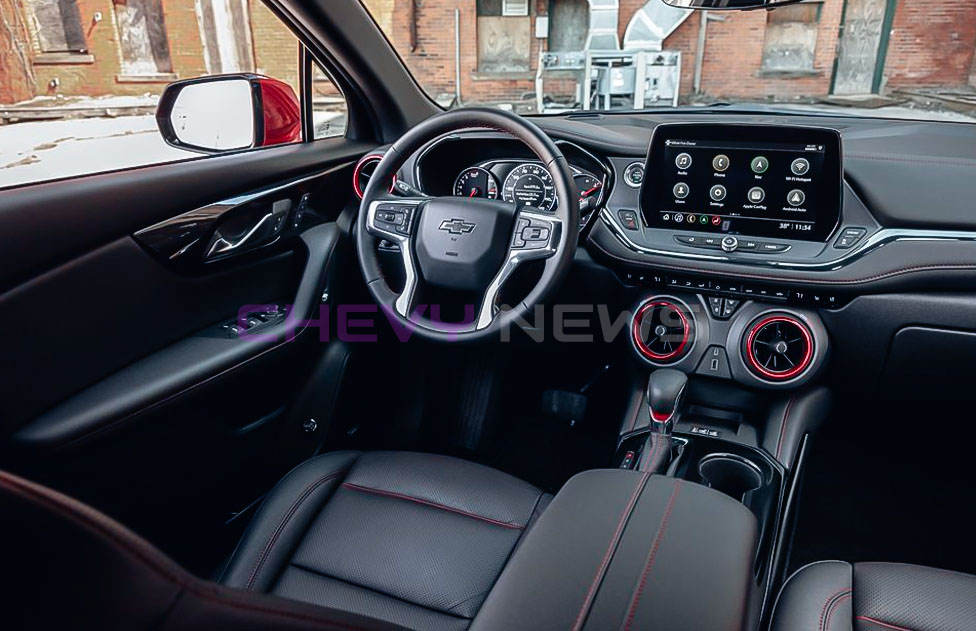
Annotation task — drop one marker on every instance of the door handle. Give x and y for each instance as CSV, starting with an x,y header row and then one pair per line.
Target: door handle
x,y
237,236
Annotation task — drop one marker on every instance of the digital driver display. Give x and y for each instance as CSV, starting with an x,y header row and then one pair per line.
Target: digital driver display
x,y
745,180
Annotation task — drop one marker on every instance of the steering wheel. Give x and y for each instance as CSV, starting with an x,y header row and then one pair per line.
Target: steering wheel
x,y
465,244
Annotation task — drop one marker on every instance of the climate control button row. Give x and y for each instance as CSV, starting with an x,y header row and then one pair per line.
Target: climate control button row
x,y
734,245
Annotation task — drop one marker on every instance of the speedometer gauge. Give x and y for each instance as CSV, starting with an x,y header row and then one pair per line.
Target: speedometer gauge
x,y
530,185
476,182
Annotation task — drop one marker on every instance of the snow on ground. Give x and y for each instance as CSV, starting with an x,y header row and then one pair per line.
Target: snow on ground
x,y
46,150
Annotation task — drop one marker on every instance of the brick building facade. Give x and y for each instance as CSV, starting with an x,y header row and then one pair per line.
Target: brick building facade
x,y
103,49
107,48
920,43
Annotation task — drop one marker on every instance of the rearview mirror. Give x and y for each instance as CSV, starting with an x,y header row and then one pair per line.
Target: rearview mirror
x,y
228,113
728,5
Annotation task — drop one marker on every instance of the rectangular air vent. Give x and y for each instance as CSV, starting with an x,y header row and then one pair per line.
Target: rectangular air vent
x,y
511,8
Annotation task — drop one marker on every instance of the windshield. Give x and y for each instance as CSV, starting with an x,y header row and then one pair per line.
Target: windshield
x,y
884,58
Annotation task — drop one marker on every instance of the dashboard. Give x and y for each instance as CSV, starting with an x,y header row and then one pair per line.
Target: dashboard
x,y
735,233
848,205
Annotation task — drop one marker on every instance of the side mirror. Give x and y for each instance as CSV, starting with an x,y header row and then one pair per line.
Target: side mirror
x,y
226,113
728,5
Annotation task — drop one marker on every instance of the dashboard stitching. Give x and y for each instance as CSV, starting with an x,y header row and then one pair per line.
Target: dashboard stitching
x,y
853,281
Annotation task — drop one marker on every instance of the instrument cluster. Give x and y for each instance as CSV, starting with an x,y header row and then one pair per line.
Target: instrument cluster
x,y
526,183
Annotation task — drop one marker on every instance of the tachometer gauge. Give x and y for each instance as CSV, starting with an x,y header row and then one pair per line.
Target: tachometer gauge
x,y
530,185
476,182
590,189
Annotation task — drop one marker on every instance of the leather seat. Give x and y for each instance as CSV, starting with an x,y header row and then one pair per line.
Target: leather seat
x,y
346,541
413,539
835,596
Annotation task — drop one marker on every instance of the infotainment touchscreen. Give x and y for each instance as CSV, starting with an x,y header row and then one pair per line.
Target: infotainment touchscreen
x,y
755,180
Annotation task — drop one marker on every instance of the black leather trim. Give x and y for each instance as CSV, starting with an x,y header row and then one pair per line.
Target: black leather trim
x,y
283,520
619,549
414,539
71,566
836,596
814,597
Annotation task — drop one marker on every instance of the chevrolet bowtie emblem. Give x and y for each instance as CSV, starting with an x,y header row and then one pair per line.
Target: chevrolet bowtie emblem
x,y
456,226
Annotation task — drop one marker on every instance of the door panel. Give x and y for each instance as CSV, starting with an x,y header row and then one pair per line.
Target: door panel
x,y
121,385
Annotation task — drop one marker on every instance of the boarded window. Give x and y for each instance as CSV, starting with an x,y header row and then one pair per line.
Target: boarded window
x,y
791,38
58,26
142,37
569,21
504,44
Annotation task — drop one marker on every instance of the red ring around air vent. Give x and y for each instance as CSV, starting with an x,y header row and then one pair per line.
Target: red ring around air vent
x,y
661,355
793,327
358,171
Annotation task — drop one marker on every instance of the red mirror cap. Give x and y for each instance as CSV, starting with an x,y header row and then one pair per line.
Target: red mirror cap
x,y
281,112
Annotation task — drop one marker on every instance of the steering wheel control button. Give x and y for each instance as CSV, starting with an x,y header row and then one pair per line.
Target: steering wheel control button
x,y
849,237
683,161
531,234
535,233
720,162
756,195
634,174
800,166
796,197
393,218
717,193
759,165
730,244
681,190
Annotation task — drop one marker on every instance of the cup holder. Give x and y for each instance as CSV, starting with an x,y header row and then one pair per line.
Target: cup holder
x,y
730,474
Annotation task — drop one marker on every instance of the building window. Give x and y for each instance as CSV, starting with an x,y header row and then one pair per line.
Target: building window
x,y
58,26
791,38
504,42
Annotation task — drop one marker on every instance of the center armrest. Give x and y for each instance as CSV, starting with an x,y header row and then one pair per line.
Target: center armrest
x,y
620,549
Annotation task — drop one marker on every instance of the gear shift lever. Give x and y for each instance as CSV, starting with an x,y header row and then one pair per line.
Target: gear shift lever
x,y
665,391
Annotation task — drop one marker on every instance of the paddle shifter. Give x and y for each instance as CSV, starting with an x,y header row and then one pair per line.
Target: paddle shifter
x,y
665,391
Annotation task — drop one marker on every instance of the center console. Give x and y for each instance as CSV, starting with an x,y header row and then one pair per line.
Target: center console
x,y
629,550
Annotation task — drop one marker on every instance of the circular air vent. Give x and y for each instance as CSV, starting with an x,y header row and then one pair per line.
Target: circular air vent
x,y
778,347
363,171
662,330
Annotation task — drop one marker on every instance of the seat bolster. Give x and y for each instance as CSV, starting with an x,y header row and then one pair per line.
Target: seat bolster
x,y
283,520
901,596
816,597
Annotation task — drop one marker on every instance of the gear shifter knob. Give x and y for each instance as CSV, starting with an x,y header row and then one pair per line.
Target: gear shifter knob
x,y
665,390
